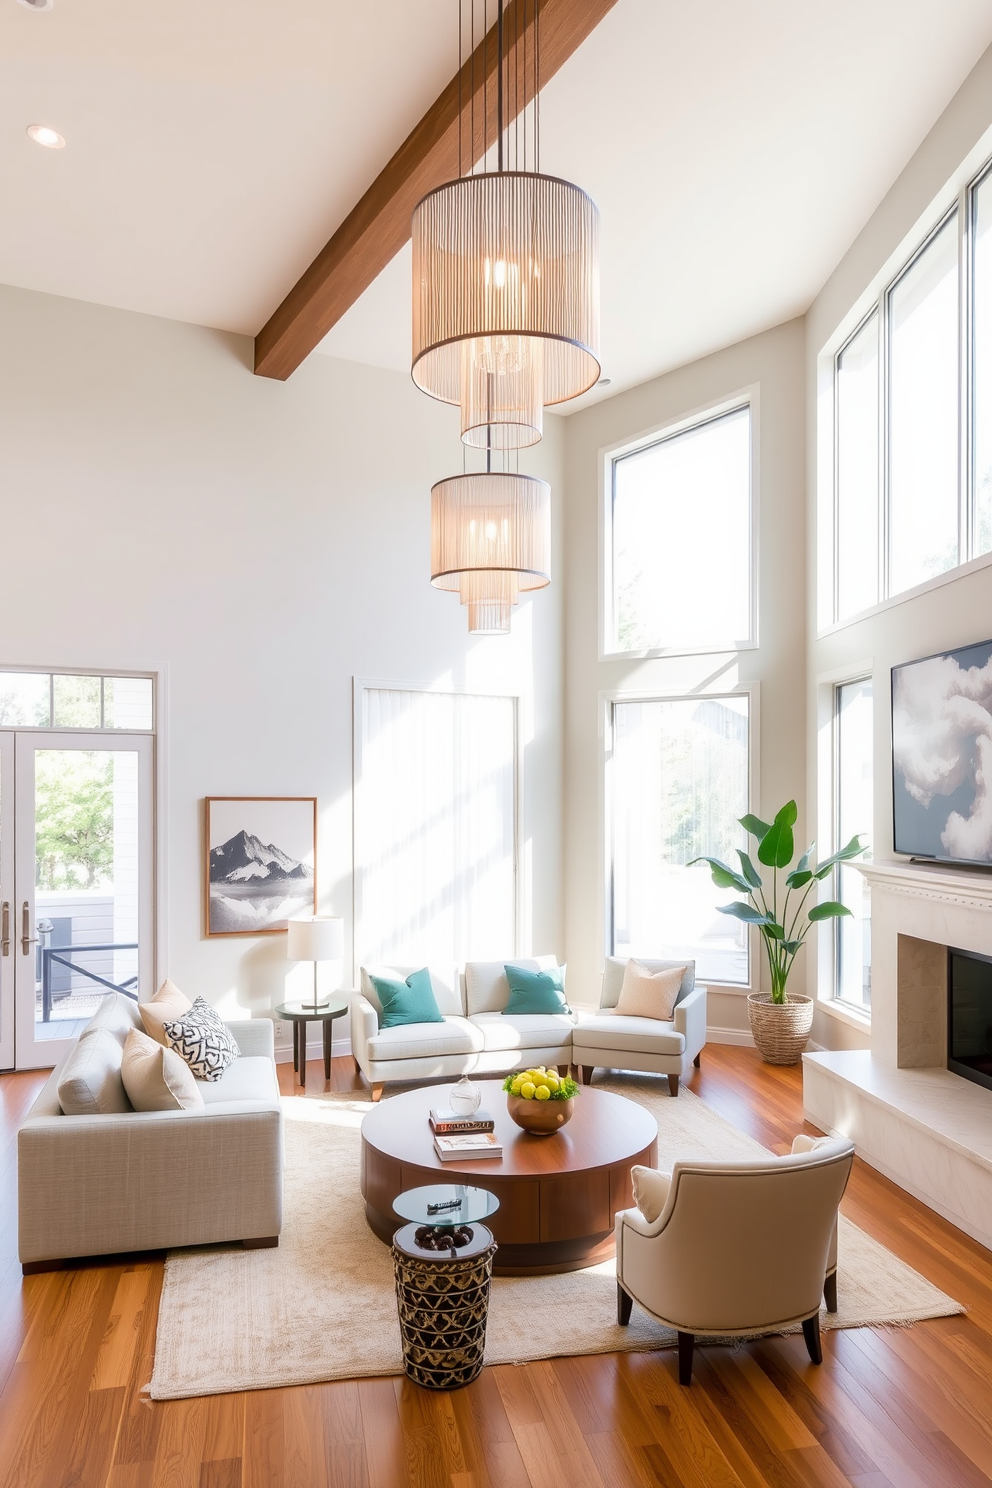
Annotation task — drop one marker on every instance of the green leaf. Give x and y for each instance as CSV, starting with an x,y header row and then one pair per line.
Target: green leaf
x,y
792,945
831,910
773,930
852,850
787,816
777,846
803,863
754,825
799,878
723,877
750,872
745,912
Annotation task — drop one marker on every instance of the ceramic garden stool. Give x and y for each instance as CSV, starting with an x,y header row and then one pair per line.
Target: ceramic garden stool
x,y
443,1268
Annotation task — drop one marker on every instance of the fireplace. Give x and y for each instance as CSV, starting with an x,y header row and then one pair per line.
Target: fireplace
x,y
969,1016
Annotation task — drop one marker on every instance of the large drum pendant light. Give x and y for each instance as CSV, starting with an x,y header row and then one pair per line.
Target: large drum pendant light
x,y
506,274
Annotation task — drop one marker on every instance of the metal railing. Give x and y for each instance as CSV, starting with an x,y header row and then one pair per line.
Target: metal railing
x,y
59,955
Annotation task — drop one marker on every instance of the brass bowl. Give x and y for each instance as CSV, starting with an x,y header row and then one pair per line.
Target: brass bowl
x,y
540,1118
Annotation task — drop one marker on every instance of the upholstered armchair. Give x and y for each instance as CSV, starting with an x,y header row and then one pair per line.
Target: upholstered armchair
x,y
735,1247
653,1046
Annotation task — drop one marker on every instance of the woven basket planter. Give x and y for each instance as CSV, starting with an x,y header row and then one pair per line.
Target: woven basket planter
x,y
781,1029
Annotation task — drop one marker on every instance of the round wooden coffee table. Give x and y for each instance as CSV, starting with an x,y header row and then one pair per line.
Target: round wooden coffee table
x,y
557,1194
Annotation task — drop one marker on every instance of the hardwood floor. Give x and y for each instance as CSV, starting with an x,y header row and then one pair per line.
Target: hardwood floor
x,y
893,1408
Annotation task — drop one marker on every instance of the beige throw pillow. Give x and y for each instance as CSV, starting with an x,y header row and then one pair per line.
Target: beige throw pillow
x,y
650,1191
167,1004
90,1082
156,1079
649,994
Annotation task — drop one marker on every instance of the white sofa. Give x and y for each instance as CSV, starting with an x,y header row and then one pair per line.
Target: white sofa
x,y
607,1039
478,1037
122,1180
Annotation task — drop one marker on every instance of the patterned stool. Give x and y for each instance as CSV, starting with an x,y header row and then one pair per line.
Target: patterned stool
x,y
443,1301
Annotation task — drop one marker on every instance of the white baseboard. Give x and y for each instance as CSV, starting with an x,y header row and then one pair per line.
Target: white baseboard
x,y
739,1036
315,1049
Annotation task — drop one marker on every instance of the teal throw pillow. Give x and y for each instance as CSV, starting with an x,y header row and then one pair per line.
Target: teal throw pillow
x,y
412,1001
536,991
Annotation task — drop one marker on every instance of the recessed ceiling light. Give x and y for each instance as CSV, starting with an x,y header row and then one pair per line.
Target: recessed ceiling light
x,y
604,382
42,135
36,4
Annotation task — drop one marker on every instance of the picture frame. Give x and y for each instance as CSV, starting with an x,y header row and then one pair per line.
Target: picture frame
x,y
260,863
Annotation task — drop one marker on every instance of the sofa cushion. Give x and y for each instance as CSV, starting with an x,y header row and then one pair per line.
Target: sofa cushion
x,y
115,1014
616,965
633,1035
524,1030
424,1040
445,984
167,1005
155,1078
486,987
410,1001
90,1082
203,1039
250,1078
535,992
649,994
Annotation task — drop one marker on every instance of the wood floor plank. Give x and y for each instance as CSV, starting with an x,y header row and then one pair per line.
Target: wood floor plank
x,y
382,1434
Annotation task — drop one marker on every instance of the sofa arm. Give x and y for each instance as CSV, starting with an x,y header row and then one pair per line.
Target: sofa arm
x,y
364,1026
690,1021
148,1180
254,1036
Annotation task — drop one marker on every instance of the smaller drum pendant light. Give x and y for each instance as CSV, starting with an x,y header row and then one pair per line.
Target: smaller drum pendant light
x,y
490,539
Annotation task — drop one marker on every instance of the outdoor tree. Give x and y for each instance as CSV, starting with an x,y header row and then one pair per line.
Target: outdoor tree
x,y
74,829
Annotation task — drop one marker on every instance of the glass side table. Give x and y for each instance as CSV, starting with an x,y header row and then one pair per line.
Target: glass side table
x,y
302,1013
443,1263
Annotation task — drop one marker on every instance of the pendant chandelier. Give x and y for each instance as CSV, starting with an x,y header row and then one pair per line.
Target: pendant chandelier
x,y
505,262
505,321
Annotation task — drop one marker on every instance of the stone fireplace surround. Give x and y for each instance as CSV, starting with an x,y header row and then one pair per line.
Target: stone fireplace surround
x,y
927,1129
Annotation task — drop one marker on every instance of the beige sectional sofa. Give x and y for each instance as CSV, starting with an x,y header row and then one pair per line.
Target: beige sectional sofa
x,y
478,1037
121,1180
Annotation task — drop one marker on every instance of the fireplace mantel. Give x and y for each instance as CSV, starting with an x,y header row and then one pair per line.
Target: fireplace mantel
x,y
934,881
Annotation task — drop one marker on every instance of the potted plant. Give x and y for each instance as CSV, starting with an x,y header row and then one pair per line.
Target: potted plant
x,y
780,1024
540,1100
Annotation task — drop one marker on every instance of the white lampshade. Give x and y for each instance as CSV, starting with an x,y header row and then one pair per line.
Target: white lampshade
x,y
316,938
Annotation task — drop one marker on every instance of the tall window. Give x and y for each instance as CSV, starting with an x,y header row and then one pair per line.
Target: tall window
x,y
912,486
436,826
853,797
678,784
678,502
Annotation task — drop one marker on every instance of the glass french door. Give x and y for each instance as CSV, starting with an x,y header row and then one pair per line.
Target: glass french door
x,y
76,829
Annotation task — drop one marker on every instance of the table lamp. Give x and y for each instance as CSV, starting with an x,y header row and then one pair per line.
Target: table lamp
x,y
315,938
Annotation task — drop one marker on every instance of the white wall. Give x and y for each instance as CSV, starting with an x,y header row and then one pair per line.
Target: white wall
x,y
260,543
946,614
773,361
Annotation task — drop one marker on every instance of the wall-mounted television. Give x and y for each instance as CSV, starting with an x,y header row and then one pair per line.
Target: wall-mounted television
x,y
942,756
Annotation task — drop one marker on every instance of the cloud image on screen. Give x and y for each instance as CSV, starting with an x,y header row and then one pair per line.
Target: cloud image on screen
x,y
942,755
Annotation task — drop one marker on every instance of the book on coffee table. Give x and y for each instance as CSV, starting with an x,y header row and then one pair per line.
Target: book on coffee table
x,y
443,1120
467,1145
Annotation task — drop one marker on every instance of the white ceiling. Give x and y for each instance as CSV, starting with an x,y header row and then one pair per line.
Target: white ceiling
x,y
735,148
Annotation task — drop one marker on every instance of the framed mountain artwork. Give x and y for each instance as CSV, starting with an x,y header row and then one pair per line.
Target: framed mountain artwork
x,y
260,862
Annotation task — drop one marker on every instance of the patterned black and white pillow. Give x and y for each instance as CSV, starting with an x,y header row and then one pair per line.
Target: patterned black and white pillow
x,y
202,1038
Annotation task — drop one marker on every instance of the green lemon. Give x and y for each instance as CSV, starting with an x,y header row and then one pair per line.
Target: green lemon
x,y
542,1093
527,1089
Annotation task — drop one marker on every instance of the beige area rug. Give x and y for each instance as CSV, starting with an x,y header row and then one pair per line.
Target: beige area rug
x,y
322,1305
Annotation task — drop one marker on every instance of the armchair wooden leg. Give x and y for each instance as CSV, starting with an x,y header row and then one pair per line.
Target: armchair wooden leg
x,y
376,1092
624,1303
587,1070
830,1292
811,1333
696,1060
263,1242
686,1344
673,1084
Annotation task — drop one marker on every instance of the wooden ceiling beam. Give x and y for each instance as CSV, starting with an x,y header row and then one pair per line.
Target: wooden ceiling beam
x,y
378,226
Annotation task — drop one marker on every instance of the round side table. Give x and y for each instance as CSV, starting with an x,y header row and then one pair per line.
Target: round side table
x,y
302,1013
443,1266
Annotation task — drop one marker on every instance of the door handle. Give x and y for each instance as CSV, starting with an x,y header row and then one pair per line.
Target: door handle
x,y
27,939
5,928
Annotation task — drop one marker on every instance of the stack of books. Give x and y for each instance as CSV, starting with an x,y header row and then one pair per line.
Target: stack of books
x,y
464,1138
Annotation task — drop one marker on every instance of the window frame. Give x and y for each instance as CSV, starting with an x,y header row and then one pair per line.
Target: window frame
x,y
836,835
607,700
958,196
523,729
747,397
103,676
